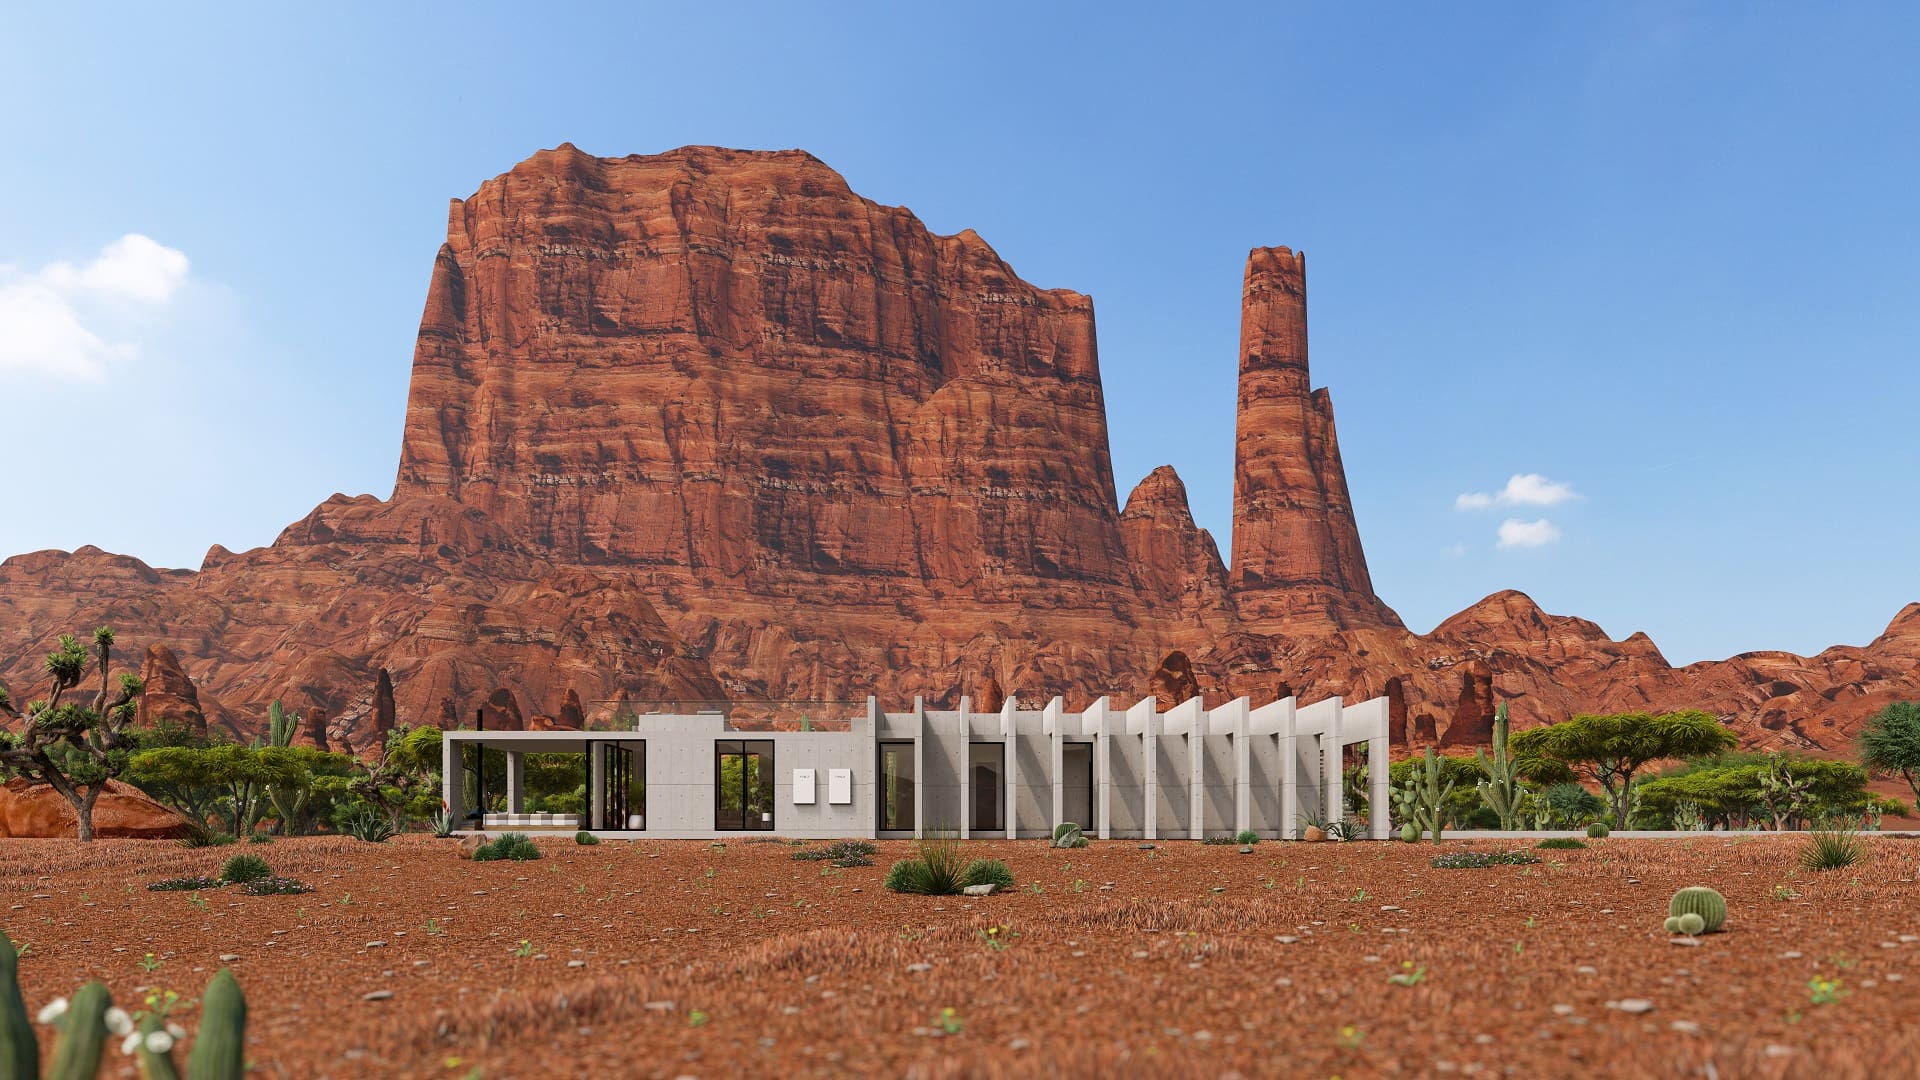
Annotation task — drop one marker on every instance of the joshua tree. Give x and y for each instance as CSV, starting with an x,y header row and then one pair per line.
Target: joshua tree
x,y
74,748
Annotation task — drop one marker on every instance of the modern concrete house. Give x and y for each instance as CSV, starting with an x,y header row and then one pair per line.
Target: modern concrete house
x,y
1191,772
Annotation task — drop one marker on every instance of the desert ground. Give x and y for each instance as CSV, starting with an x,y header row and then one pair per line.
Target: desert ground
x,y
684,958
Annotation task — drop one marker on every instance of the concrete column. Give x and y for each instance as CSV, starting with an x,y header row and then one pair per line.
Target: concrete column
x,y
872,770
1055,717
1379,784
1330,758
516,777
1197,774
1150,768
596,785
1102,767
453,781
920,768
1242,767
1010,760
1289,774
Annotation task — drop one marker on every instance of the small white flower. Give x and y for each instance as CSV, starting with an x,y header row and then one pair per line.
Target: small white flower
x,y
177,1032
54,1010
118,1021
159,1042
131,1043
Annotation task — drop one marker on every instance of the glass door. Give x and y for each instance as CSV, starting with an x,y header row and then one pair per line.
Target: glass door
x,y
743,785
624,794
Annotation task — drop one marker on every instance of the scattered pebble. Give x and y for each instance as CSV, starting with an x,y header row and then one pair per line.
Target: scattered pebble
x,y
228,958
377,995
1685,1027
1633,1006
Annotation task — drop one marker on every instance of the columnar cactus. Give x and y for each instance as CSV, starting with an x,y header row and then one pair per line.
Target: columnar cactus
x,y
1501,790
1702,901
1422,800
85,1021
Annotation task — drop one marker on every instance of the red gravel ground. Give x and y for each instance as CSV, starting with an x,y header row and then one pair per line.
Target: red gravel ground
x,y
657,958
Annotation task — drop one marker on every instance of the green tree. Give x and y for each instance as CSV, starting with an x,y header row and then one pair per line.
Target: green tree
x,y
1733,789
1612,749
241,775
1890,743
74,748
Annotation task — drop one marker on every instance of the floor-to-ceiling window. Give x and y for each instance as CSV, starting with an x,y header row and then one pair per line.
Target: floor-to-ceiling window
x,y
624,785
896,787
743,785
1076,784
986,775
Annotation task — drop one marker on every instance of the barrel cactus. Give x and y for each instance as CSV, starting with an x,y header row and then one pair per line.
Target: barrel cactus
x,y
1597,831
1672,925
1702,901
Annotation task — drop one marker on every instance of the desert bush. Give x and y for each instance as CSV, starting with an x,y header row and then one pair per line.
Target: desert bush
x,y
513,847
259,838
244,868
1248,836
987,872
1472,860
585,838
942,869
198,835
1561,843
1831,850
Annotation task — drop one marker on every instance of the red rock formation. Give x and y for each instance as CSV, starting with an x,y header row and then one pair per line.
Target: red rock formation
x,y
1472,723
169,696
313,728
503,712
1173,683
383,713
37,811
543,722
709,425
1297,562
572,718
990,698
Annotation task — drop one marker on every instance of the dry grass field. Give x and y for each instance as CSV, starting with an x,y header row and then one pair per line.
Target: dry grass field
x,y
657,958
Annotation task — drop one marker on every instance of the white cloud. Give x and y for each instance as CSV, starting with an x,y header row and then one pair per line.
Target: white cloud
x,y
1515,533
1523,489
52,321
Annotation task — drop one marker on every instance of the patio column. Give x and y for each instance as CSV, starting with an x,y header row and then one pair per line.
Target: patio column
x,y
453,781
516,780
597,785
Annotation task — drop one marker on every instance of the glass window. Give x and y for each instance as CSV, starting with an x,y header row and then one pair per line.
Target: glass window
x,y
743,785
896,786
986,773
1076,784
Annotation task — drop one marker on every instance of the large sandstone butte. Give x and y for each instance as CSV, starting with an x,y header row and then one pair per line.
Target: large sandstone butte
x,y
709,424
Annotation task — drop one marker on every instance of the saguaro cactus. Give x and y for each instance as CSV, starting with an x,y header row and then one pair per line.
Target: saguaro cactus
x,y
1501,790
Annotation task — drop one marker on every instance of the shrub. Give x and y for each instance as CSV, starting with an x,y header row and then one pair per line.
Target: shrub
x,y
259,838
442,823
513,846
987,872
941,869
1829,850
185,884
1473,860
585,838
1248,836
244,868
370,825
1598,830
1561,843
275,886
199,836
1699,900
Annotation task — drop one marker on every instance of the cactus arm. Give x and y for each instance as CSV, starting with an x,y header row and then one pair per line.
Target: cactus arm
x,y
219,1050
76,1056
154,1064
19,1053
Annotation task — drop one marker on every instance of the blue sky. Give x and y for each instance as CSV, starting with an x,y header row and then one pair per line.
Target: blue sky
x,y
1654,259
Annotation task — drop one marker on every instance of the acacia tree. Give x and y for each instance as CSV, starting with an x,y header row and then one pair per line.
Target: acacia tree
x,y
72,747
1611,749
1891,743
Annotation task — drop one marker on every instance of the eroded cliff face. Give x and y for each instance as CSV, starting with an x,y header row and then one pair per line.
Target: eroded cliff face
x,y
708,423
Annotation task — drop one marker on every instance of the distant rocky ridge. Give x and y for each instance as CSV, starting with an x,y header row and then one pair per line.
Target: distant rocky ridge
x,y
709,424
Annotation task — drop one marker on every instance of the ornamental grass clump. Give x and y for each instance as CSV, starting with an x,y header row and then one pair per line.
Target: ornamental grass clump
x,y
1827,849
1561,843
942,869
244,868
1474,860
513,846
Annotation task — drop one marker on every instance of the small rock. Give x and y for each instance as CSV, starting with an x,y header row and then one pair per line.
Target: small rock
x,y
576,963
469,845
1314,834
1018,1044
1586,969
1632,1006
1563,1010
1286,939
228,958
376,944
1146,847
377,995
1685,942
917,968
659,1006
1685,1027
980,890
1246,849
